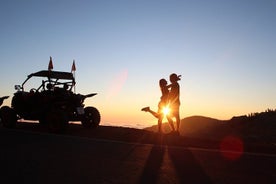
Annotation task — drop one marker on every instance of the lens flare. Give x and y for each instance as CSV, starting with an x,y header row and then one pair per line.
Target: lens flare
x,y
117,84
231,147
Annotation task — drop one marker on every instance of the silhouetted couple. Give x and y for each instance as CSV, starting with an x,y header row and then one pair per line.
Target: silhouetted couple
x,y
169,103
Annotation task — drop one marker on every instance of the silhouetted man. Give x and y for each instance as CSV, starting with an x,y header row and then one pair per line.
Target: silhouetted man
x,y
174,100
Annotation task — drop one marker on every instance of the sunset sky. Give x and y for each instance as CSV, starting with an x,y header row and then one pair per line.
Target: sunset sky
x,y
225,51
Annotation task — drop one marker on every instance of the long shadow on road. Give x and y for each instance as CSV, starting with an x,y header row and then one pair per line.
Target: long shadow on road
x,y
184,167
153,165
188,170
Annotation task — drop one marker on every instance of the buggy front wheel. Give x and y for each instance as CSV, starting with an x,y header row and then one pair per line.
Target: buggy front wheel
x,y
91,118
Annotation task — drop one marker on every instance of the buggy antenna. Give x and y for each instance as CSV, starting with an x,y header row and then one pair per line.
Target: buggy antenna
x,y
73,71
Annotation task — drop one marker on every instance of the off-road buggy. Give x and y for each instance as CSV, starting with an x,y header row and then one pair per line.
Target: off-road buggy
x,y
52,103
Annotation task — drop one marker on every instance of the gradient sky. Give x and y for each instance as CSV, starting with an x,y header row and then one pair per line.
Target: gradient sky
x,y
224,50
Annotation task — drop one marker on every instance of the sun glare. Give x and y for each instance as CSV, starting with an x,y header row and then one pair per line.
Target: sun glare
x,y
166,110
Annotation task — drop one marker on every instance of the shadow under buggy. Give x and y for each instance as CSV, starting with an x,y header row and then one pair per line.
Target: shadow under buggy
x,y
53,103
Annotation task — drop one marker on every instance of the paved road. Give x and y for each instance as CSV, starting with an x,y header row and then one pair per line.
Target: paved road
x,y
30,157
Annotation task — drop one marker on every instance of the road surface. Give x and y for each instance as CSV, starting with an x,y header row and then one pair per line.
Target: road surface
x,y
34,157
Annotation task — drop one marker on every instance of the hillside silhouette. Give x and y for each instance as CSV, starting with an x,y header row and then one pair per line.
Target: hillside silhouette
x,y
260,127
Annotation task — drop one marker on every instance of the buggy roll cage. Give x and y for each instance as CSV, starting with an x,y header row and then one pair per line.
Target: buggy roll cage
x,y
53,78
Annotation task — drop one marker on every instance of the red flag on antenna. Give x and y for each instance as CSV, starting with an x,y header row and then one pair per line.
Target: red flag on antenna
x,y
50,65
73,66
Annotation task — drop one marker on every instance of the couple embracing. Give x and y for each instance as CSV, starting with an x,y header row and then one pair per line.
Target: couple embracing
x,y
169,103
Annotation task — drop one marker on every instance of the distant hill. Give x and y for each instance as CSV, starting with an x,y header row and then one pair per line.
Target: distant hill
x,y
255,127
197,126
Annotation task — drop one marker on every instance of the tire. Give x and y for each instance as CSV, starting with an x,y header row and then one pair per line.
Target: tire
x,y
91,117
8,117
57,121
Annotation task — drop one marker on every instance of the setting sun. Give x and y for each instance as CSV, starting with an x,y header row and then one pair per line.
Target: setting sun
x,y
166,110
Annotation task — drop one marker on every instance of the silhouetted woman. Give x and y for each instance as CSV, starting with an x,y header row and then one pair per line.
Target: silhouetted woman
x,y
161,105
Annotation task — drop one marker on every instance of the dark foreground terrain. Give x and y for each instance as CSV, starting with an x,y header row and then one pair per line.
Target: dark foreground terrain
x,y
123,155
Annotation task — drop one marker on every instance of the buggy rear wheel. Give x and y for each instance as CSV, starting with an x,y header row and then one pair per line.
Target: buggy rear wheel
x,y
57,121
8,117
91,117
